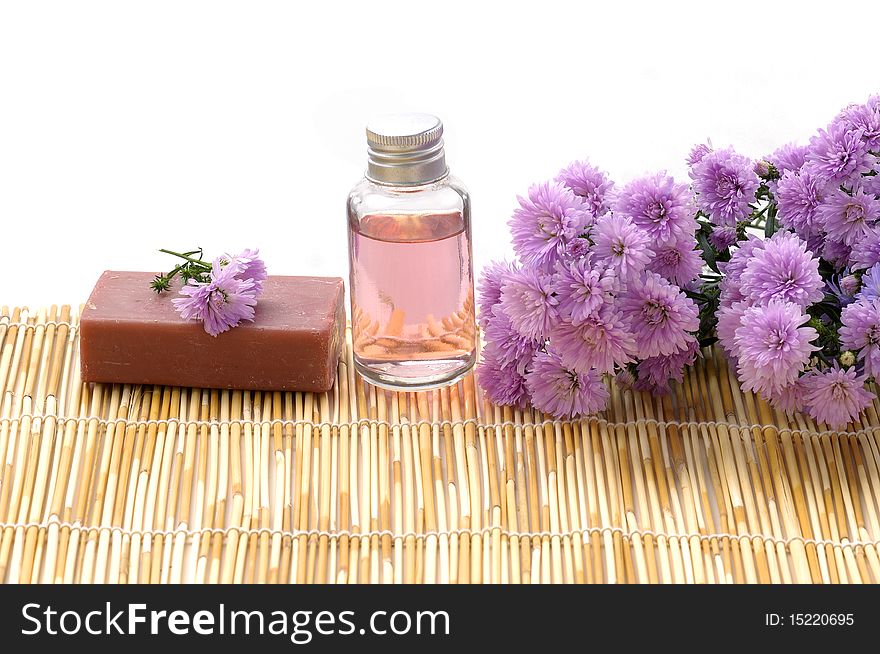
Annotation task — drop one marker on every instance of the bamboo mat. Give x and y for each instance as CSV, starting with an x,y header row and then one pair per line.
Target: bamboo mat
x,y
121,484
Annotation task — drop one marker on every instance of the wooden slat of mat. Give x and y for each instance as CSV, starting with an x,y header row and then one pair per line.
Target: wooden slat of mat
x,y
124,484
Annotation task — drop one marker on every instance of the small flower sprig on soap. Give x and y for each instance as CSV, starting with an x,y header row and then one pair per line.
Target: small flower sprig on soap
x,y
221,293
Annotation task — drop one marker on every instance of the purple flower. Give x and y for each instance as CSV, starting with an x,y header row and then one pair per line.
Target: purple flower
x,y
248,266
564,393
782,270
601,341
582,289
745,250
678,261
527,299
503,386
696,154
590,183
545,222
843,287
789,157
798,197
871,184
847,217
510,349
835,396
870,288
489,287
660,316
729,320
617,241
733,269
655,373
659,206
866,120
725,184
839,154
221,303
773,346
861,332
722,237
577,248
837,253
789,398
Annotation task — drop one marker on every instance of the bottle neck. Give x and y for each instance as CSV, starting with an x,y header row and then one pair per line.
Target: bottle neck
x,y
406,167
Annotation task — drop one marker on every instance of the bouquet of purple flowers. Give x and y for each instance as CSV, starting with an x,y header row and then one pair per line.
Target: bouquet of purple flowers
x,y
777,259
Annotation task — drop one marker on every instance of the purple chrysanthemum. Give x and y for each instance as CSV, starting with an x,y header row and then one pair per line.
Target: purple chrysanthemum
x,y
835,396
660,316
789,398
866,119
847,217
734,268
837,253
871,184
870,286
678,261
221,303
527,299
577,248
696,154
729,320
489,287
773,347
601,341
655,373
510,348
562,392
545,222
861,332
659,206
582,289
248,265
745,250
590,183
839,154
790,157
503,386
620,243
799,196
725,184
782,270
722,237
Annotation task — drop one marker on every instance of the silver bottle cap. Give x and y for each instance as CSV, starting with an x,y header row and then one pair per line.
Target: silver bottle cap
x,y
405,149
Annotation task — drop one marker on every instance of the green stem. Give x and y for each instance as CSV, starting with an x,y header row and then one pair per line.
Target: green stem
x,y
198,262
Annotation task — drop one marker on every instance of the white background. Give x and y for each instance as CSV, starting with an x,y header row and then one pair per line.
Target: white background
x,y
129,126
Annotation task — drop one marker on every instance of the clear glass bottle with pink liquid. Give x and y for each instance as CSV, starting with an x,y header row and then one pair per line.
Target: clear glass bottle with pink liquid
x,y
409,238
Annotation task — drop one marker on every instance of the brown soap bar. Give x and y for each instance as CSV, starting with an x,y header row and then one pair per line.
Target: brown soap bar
x,y
131,335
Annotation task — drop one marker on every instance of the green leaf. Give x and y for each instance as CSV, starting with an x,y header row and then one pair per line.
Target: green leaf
x,y
770,226
708,251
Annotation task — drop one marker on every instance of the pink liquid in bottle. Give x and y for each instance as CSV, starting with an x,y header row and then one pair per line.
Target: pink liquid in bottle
x,y
412,298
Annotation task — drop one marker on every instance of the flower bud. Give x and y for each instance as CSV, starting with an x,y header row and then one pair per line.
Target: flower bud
x,y
762,168
847,358
850,285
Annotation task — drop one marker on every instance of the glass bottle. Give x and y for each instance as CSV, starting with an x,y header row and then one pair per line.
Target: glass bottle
x,y
411,276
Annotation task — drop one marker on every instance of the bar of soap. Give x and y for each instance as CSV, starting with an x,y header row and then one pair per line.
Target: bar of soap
x,y
131,335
